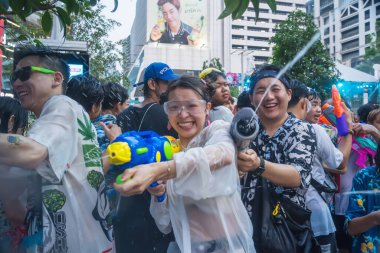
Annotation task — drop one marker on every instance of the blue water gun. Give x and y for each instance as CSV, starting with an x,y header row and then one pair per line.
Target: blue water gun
x,y
135,148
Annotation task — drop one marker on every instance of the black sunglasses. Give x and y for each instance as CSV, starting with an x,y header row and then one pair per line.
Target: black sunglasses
x,y
24,73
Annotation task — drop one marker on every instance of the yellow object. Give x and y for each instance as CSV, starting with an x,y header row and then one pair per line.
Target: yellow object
x,y
275,211
360,202
119,153
158,156
207,71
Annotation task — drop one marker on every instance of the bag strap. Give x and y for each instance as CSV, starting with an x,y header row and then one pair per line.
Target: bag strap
x,y
142,120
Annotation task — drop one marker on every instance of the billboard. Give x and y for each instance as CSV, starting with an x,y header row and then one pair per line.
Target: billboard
x,y
181,22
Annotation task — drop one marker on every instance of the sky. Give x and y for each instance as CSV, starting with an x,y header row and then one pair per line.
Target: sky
x,y
124,14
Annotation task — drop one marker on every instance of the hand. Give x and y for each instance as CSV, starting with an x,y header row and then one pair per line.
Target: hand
x,y
376,216
248,161
361,128
349,117
111,130
136,180
155,34
158,190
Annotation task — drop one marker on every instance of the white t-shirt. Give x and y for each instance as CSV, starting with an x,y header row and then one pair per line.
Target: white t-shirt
x,y
221,113
204,205
321,219
75,207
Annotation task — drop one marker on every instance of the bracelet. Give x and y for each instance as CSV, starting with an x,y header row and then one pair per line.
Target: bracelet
x,y
351,132
169,168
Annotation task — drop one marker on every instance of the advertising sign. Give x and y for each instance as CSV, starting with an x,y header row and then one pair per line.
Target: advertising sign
x,y
181,22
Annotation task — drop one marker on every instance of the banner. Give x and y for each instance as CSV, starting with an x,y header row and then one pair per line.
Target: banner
x,y
181,22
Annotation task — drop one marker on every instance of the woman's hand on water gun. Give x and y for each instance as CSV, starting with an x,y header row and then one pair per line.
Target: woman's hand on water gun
x,y
136,180
158,190
365,129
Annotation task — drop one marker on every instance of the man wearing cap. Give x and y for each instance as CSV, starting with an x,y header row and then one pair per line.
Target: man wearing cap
x,y
135,229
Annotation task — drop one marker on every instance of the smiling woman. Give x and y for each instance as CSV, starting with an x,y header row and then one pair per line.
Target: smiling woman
x,y
203,206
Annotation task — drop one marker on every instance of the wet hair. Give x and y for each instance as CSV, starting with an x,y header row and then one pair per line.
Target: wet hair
x,y
313,94
364,111
87,91
47,58
114,93
243,100
186,82
176,3
209,81
268,71
372,115
8,107
299,91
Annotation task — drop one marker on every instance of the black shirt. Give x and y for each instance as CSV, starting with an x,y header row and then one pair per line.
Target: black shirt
x,y
135,229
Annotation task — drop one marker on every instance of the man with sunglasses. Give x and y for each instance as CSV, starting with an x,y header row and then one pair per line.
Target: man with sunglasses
x,y
72,214
142,234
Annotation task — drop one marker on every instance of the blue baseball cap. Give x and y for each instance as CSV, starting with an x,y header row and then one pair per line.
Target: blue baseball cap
x,y
158,70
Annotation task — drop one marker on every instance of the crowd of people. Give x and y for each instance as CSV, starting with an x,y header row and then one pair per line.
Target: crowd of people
x,y
298,187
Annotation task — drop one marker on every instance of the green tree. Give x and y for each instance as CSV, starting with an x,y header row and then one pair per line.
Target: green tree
x,y
236,8
213,63
316,68
91,26
62,8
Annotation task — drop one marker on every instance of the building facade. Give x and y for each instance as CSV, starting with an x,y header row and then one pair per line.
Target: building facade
x,y
346,26
242,45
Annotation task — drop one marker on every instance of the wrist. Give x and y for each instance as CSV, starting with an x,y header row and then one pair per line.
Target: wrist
x,y
260,169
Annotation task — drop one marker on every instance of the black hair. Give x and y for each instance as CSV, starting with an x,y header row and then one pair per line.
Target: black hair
x,y
313,94
186,82
146,90
268,71
8,107
47,58
364,110
113,94
299,91
243,100
210,80
87,91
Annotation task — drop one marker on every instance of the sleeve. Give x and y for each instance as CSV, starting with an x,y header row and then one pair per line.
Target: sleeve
x,y
208,171
300,151
357,205
330,155
57,130
160,214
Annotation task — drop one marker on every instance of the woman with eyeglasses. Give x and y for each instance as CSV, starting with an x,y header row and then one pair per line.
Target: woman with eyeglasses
x,y
203,205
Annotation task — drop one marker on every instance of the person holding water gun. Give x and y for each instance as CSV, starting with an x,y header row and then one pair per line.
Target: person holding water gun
x,y
203,205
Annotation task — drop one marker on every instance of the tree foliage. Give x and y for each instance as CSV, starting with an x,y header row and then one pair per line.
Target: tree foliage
x,y
93,27
316,68
213,63
64,9
236,8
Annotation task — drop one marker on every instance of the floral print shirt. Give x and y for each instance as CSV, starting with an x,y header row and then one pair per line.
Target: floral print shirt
x,y
365,199
294,144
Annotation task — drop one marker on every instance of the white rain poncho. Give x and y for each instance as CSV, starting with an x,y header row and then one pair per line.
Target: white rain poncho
x,y
204,206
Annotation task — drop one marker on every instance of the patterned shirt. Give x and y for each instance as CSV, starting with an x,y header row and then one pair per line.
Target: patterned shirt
x,y
294,144
361,204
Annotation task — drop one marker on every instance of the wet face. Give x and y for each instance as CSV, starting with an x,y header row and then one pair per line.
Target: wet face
x,y
222,91
36,90
315,112
171,15
275,104
187,113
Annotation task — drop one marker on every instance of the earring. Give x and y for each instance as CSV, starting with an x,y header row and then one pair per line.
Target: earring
x,y
208,120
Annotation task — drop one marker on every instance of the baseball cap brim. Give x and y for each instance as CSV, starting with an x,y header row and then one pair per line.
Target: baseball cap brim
x,y
169,77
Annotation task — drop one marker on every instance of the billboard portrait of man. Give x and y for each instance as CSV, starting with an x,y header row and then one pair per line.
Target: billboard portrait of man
x,y
177,22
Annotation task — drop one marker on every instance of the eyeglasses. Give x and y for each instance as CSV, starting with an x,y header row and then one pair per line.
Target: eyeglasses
x,y
24,73
193,107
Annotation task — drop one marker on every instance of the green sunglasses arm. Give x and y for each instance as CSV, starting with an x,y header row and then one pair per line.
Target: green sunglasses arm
x,y
43,70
